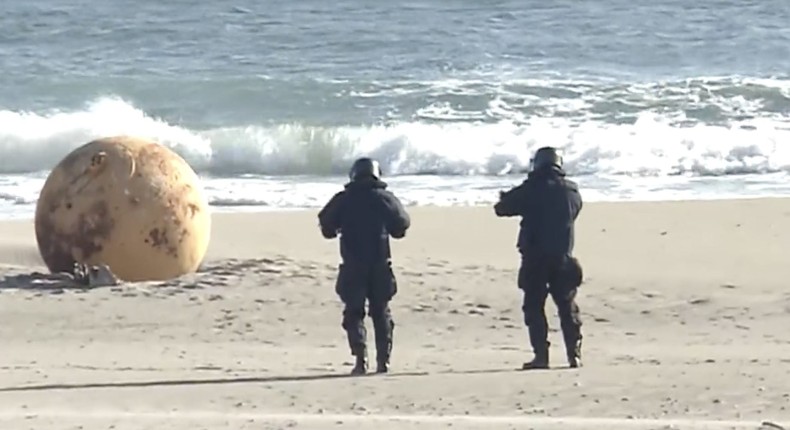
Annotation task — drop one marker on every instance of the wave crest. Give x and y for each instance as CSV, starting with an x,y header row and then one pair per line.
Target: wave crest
x,y
654,144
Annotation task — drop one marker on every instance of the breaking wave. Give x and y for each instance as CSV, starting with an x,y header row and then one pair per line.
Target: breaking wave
x,y
698,128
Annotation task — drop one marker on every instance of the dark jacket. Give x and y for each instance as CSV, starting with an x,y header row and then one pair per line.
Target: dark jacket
x,y
548,204
365,214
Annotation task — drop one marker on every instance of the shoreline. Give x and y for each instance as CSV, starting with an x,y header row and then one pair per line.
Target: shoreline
x,y
262,209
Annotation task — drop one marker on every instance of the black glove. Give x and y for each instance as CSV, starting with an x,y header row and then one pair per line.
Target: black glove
x,y
329,234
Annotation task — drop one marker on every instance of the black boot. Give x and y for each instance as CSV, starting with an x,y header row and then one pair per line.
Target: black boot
x,y
575,354
382,365
383,352
385,329
541,360
361,366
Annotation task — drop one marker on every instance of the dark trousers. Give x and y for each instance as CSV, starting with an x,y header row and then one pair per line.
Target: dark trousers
x,y
375,284
560,277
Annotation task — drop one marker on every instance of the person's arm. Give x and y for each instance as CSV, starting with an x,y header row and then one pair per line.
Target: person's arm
x,y
398,220
575,199
329,216
511,202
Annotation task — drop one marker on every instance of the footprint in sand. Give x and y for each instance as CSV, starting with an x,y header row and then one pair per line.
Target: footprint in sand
x,y
422,308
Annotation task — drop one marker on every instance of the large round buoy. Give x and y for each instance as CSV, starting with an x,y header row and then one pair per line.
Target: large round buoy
x,y
129,203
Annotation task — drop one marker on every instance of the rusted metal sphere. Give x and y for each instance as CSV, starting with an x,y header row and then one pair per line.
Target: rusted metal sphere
x,y
129,203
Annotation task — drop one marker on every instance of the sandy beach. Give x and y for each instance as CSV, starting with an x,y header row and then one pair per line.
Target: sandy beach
x,y
685,308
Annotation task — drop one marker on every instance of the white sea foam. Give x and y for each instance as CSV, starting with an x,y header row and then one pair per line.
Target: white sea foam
x,y
652,145
705,138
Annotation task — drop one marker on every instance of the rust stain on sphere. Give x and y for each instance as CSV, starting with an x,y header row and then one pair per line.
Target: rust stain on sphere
x,y
126,202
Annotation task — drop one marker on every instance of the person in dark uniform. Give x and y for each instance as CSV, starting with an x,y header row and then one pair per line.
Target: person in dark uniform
x,y
365,214
548,204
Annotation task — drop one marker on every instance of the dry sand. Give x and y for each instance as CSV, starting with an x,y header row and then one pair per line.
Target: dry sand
x,y
686,313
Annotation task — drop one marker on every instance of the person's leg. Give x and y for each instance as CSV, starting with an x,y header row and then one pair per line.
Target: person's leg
x,y
563,287
351,289
532,280
383,288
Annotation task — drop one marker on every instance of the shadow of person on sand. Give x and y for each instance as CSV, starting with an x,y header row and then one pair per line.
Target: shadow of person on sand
x,y
247,380
214,381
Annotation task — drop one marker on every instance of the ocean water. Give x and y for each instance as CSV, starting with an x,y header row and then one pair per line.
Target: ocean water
x,y
271,101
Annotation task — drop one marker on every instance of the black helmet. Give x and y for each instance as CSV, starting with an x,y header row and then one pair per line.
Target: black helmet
x,y
545,157
365,168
